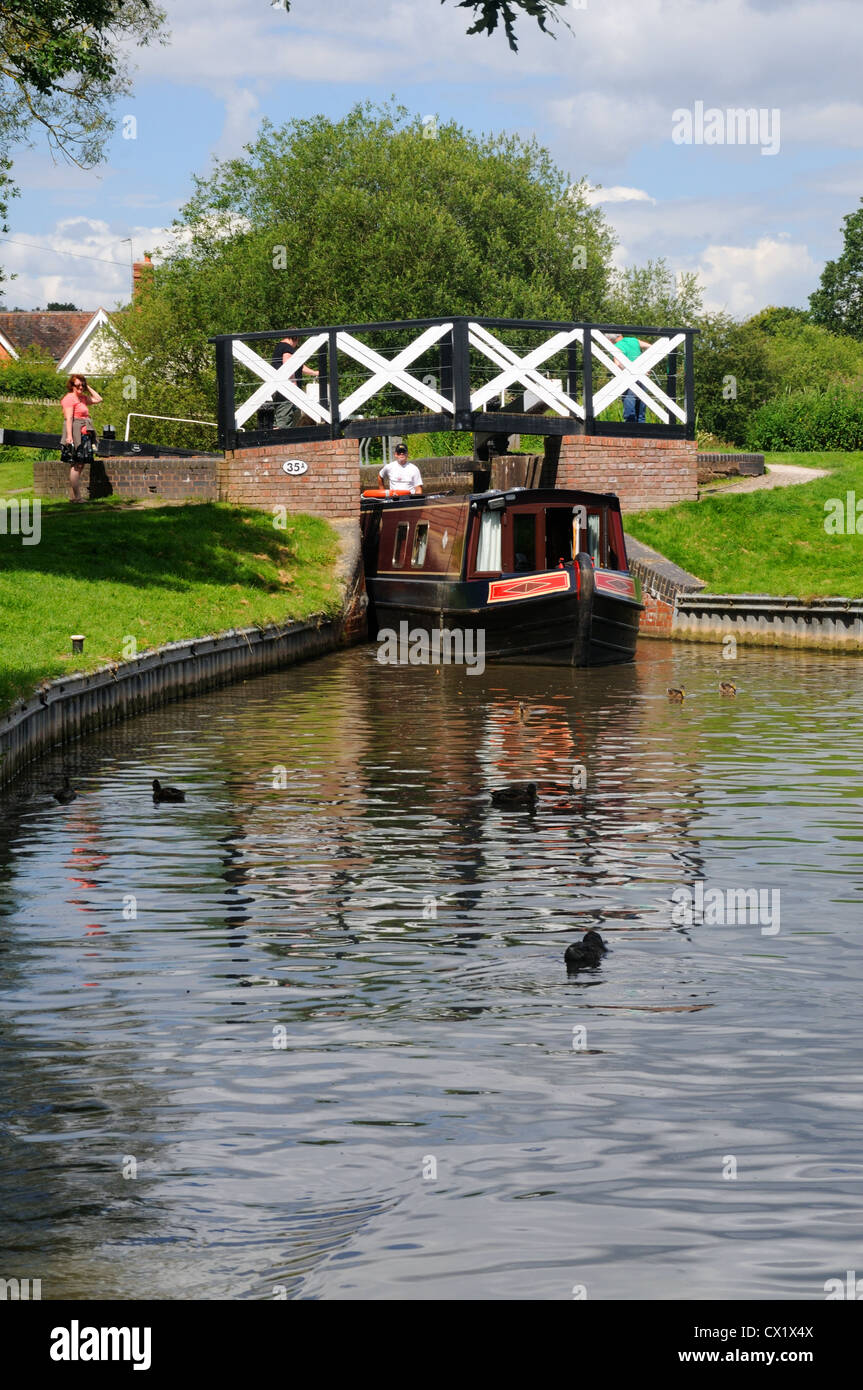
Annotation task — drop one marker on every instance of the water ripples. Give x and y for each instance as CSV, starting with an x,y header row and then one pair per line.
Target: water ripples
x,y
321,1008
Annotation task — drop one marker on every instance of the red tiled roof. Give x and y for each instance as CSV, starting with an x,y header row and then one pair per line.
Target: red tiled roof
x,y
54,332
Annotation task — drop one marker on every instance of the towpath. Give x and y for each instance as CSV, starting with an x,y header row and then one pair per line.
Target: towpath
x,y
777,475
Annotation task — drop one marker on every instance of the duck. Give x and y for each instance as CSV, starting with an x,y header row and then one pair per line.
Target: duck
x,y
585,953
516,795
727,688
66,793
527,716
161,793
676,694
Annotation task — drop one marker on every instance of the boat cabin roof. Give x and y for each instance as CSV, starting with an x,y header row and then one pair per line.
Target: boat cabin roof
x,y
543,496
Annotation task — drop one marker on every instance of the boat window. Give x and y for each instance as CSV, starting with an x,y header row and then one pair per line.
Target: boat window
x,y
421,541
558,536
401,545
488,549
616,545
524,541
594,536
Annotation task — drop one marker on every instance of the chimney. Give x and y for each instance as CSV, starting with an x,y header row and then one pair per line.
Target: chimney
x,y
142,272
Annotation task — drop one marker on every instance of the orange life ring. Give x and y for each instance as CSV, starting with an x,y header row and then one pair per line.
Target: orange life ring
x,y
391,492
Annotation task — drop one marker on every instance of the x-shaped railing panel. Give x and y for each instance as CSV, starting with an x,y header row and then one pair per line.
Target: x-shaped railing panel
x,y
630,374
279,379
522,369
392,373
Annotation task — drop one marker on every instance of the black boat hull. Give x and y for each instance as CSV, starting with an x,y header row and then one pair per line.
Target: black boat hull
x,y
593,621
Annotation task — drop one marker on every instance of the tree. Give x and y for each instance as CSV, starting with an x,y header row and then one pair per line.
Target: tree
x,y
653,296
62,63
491,12
838,302
365,219
54,306
732,375
7,191
779,321
802,356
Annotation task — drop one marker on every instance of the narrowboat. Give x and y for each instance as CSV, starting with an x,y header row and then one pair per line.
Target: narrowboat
x,y
542,571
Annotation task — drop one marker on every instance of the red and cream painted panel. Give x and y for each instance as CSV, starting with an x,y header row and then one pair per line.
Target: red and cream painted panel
x,y
616,583
529,586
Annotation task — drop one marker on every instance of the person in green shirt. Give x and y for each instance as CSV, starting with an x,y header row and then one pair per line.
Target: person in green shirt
x,y
634,409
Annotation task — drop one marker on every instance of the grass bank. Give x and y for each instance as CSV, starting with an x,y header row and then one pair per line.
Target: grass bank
x,y
16,464
114,571
16,471
836,458
766,542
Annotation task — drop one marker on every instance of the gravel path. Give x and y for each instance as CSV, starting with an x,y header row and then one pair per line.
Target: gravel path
x,y
777,475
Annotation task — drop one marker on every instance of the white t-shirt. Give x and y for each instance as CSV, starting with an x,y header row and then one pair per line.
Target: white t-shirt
x,y
399,475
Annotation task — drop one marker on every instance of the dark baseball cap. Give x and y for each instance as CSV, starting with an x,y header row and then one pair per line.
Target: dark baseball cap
x,y
401,448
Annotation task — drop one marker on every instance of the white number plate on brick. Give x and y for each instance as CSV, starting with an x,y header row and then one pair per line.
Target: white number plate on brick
x,y
295,467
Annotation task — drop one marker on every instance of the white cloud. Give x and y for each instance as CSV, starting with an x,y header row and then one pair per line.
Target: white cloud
x,y
622,68
343,41
601,96
81,260
837,123
671,50
742,267
618,194
242,117
606,126
743,279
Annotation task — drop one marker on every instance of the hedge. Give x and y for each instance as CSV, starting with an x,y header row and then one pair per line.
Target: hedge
x,y
808,420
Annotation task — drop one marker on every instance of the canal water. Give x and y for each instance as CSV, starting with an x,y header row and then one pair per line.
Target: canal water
x,y
310,1034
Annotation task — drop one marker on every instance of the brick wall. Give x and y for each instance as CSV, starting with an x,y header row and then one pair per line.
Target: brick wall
x,y
331,487
644,473
133,476
661,583
657,618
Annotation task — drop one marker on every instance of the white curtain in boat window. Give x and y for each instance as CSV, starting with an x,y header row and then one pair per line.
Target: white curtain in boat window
x,y
421,541
593,535
488,550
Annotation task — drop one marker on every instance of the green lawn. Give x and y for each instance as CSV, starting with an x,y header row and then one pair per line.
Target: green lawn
x,y
113,571
16,471
837,459
766,542
16,464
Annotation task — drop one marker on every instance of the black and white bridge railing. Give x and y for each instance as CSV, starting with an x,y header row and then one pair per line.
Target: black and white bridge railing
x,y
456,373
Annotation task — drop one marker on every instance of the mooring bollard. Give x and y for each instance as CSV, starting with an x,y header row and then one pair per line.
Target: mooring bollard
x,y
77,642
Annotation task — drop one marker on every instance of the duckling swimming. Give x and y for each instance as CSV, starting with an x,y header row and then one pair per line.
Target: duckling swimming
x,y
161,793
66,793
517,795
528,716
585,953
676,694
727,688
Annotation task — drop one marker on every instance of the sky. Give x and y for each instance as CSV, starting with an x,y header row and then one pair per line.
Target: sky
x,y
616,99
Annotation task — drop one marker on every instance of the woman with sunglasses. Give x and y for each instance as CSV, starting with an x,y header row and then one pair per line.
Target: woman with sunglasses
x,y
76,423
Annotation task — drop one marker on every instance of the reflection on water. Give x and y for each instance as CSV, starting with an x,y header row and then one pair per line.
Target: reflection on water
x,y
320,1010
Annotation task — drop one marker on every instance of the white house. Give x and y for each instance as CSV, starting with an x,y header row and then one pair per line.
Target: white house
x,y
79,341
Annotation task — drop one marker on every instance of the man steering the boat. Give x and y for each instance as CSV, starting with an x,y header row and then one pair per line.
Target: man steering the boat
x,y
401,475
